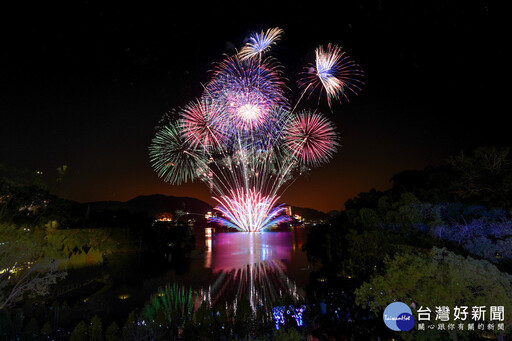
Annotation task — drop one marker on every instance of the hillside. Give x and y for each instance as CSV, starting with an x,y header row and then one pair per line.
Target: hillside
x,y
158,203
310,213
153,204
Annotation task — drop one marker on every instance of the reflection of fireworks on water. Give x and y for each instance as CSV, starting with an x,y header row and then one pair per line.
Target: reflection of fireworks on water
x,y
262,283
242,139
251,266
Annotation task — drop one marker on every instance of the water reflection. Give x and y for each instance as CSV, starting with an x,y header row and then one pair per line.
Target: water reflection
x,y
249,265
208,247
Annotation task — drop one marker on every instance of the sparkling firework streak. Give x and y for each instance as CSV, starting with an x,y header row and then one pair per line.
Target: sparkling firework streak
x,y
259,43
334,72
241,138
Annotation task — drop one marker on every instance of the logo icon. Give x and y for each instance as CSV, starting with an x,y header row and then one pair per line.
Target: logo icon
x,y
398,317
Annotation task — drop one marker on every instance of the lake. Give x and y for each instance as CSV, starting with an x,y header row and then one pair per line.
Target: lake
x,y
222,268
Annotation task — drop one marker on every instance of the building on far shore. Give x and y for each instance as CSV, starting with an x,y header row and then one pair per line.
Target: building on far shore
x,y
164,216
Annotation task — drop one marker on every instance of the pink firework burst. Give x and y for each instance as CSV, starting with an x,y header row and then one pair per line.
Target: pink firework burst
x,y
202,124
334,72
311,138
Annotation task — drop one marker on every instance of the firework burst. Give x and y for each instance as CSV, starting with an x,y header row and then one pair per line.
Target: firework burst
x,y
311,138
334,72
234,75
172,157
253,96
259,43
203,125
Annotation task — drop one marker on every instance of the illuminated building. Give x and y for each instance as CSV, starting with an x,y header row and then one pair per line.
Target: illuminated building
x,y
165,216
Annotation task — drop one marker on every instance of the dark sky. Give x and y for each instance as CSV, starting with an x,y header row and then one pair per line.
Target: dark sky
x,y
84,83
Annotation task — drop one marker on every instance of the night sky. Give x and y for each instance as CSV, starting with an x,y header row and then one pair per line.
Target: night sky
x,y
84,84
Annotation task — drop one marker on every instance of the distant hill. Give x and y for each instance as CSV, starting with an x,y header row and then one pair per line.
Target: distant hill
x,y
333,213
159,203
153,204
310,213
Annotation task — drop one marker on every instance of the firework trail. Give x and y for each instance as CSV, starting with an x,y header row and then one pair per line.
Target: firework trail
x,y
241,138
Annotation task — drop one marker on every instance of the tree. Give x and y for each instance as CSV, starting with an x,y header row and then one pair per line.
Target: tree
x,y
46,329
362,200
79,333
326,244
28,265
112,332
365,251
22,193
436,278
431,184
31,328
369,218
95,329
244,317
484,176
290,334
